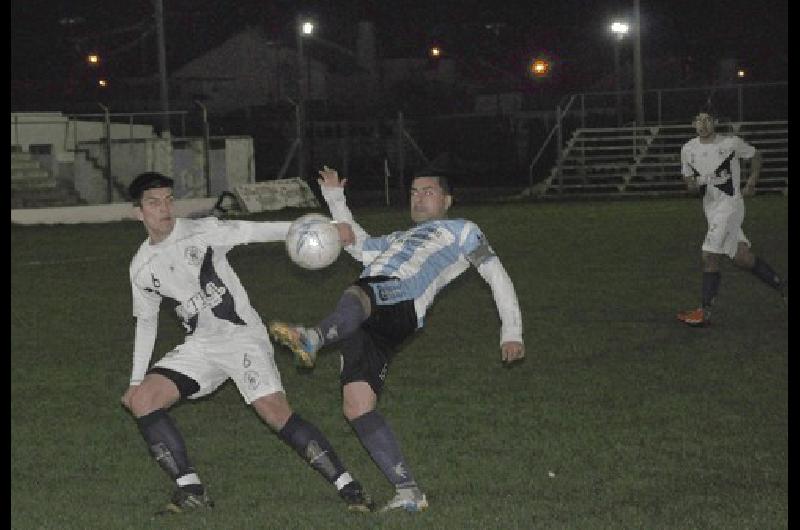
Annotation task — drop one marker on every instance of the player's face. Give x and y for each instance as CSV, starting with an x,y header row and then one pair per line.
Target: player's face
x,y
704,125
156,212
428,199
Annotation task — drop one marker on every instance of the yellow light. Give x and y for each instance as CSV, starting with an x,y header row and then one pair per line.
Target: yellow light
x,y
741,73
102,83
540,67
93,59
436,51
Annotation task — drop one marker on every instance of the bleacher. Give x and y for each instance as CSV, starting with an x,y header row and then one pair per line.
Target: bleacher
x,y
645,161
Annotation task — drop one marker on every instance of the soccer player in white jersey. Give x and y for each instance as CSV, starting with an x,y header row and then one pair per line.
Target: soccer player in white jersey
x,y
403,273
710,163
183,262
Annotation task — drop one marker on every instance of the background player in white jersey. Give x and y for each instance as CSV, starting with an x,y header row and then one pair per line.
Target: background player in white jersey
x,y
710,163
403,273
184,262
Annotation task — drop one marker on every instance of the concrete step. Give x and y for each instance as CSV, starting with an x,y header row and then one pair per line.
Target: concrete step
x,y
63,194
36,182
23,164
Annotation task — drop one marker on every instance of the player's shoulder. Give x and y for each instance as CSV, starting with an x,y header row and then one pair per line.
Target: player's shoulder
x,y
691,144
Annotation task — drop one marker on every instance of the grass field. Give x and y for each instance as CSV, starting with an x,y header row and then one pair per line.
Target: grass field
x,y
619,417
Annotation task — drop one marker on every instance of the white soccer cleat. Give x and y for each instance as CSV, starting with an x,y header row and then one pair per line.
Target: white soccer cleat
x,y
408,499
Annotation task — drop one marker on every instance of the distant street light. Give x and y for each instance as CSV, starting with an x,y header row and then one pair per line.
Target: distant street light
x,y
619,29
741,74
93,59
102,83
435,51
540,68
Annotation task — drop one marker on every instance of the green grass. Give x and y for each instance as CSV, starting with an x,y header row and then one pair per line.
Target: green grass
x,y
619,417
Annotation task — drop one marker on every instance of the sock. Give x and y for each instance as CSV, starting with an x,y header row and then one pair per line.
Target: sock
x,y
764,272
381,443
168,448
710,287
345,319
315,449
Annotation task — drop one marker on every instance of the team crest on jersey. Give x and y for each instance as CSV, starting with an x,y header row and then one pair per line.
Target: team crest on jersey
x,y
193,256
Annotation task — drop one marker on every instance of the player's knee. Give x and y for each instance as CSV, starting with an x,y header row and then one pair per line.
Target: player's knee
x,y
143,402
744,258
710,262
274,409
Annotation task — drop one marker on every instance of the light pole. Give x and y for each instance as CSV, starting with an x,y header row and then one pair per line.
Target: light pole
x,y
162,64
304,28
638,83
619,29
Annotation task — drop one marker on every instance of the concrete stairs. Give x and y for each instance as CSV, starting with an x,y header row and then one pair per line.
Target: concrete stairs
x,y
32,186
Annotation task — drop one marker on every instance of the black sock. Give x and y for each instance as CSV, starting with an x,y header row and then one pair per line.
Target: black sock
x,y
345,319
168,448
764,272
314,448
381,443
710,287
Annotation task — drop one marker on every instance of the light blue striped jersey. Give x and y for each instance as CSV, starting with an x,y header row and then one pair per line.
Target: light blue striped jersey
x,y
424,259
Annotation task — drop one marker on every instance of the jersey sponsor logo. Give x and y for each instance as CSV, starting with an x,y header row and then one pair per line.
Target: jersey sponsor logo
x,y
213,294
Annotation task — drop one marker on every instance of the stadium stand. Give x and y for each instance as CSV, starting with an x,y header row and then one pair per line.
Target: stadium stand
x,y
645,161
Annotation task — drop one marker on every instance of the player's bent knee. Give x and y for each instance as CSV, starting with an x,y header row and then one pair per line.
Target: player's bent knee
x,y
274,409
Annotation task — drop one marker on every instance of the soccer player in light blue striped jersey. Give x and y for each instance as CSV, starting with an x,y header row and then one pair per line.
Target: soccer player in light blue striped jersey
x,y
403,272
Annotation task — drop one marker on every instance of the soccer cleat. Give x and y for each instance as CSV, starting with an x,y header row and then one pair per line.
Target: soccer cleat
x,y
184,501
297,339
408,499
699,317
356,498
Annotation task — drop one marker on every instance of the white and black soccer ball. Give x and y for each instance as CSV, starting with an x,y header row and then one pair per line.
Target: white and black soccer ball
x,y
313,241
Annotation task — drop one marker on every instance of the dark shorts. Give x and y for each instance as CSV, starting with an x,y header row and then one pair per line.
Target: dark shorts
x,y
367,353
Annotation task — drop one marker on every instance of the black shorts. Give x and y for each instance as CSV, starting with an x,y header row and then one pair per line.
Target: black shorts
x,y
368,352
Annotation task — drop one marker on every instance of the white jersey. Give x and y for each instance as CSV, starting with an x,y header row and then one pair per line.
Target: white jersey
x,y
191,270
427,257
717,165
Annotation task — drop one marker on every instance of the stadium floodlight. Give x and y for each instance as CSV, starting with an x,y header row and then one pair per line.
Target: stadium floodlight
x,y
619,28
307,27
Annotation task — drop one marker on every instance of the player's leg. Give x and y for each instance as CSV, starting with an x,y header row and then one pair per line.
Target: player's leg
x,y
746,260
160,389
352,309
364,368
254,371
720,239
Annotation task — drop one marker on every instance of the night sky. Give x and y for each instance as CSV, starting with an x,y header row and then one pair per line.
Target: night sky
x,y
754,34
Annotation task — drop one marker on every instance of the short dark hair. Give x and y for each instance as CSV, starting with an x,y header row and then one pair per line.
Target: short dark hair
x,y
147,181
444,182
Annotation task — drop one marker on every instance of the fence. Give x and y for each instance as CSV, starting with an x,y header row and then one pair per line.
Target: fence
x,y
501,149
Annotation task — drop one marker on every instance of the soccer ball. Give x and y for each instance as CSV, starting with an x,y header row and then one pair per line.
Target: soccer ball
x,y
313,241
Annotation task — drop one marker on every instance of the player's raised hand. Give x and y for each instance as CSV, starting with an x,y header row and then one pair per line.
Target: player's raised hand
x,y
329,178
346,234
512,352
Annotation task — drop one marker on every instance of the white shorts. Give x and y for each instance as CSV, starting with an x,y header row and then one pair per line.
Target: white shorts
x,y
248,361
725,231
